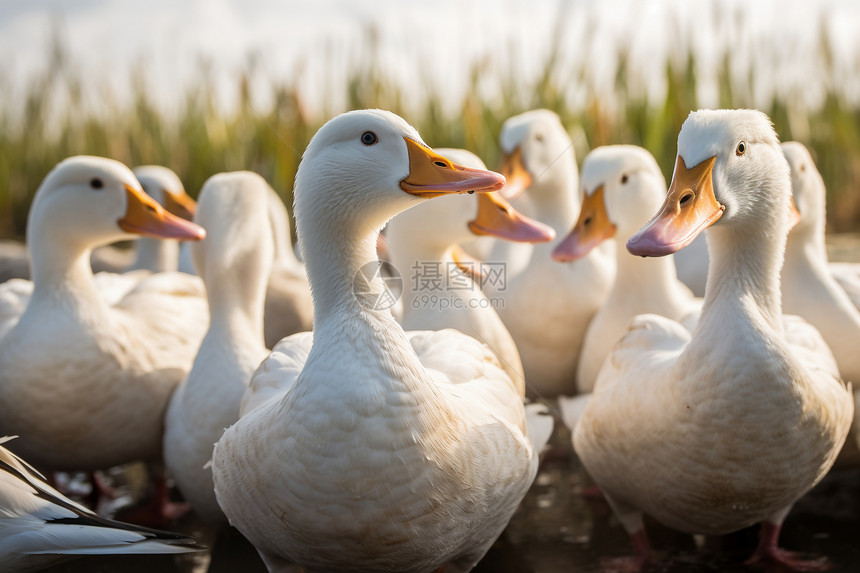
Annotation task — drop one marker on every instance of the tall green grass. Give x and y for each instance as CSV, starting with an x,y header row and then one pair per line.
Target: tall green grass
x,y
200,139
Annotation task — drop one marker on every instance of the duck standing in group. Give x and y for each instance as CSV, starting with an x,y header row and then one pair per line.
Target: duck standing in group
x,y
622,185
85,382
234,261
809,289
715,431
547,306
374,449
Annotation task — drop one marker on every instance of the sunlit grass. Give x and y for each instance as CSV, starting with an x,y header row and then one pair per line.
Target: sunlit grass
x,y
200,139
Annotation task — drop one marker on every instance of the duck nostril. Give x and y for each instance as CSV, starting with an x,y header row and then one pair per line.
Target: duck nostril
x,y
440,164
686,198
588,220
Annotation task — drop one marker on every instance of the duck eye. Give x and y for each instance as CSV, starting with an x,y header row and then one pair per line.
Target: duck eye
x,y
369,138
96,183
624,179
742,147
539,137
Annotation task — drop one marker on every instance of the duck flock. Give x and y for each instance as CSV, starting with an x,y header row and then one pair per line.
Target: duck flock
x,y
337,433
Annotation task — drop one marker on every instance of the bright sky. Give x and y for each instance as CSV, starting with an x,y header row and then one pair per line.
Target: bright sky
x,y
166,39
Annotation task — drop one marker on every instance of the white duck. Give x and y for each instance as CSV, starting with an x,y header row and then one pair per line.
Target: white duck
x,y
808,287
547,306
622,185
805,174
85,383
361,447
40,526
234,261
437,292
152,254
729,427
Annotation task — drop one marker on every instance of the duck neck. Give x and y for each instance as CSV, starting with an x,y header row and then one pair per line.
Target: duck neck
x,y
649,274
556,199
354,329
744,270
806,250
157,255
422,265
236,306
343,275
60,269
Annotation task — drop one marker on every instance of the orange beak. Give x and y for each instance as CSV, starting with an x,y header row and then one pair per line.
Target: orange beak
x,y
690,207
496,217
431,175
516,174
144,216
592,228
794,213
468,264
180,204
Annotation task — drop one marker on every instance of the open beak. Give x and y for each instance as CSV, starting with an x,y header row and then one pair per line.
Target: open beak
x,y
516,174
180,204
431,175
144,216
592,228
690,207
496,217
794,213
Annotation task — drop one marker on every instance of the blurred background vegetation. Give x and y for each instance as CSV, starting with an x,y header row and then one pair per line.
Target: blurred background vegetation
x,y
200,138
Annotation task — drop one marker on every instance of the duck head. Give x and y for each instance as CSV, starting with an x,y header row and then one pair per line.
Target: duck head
x,y
807,190
537,154
622,185
363,167
729,169
163,185
235,258
87,201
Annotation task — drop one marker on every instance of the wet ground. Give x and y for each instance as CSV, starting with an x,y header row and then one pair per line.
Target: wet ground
x,y
558,530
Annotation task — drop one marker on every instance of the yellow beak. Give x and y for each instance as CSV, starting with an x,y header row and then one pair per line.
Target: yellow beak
x,y
516,174
794,213
690,207
592,228
144,216
180,204
498,218
431,175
